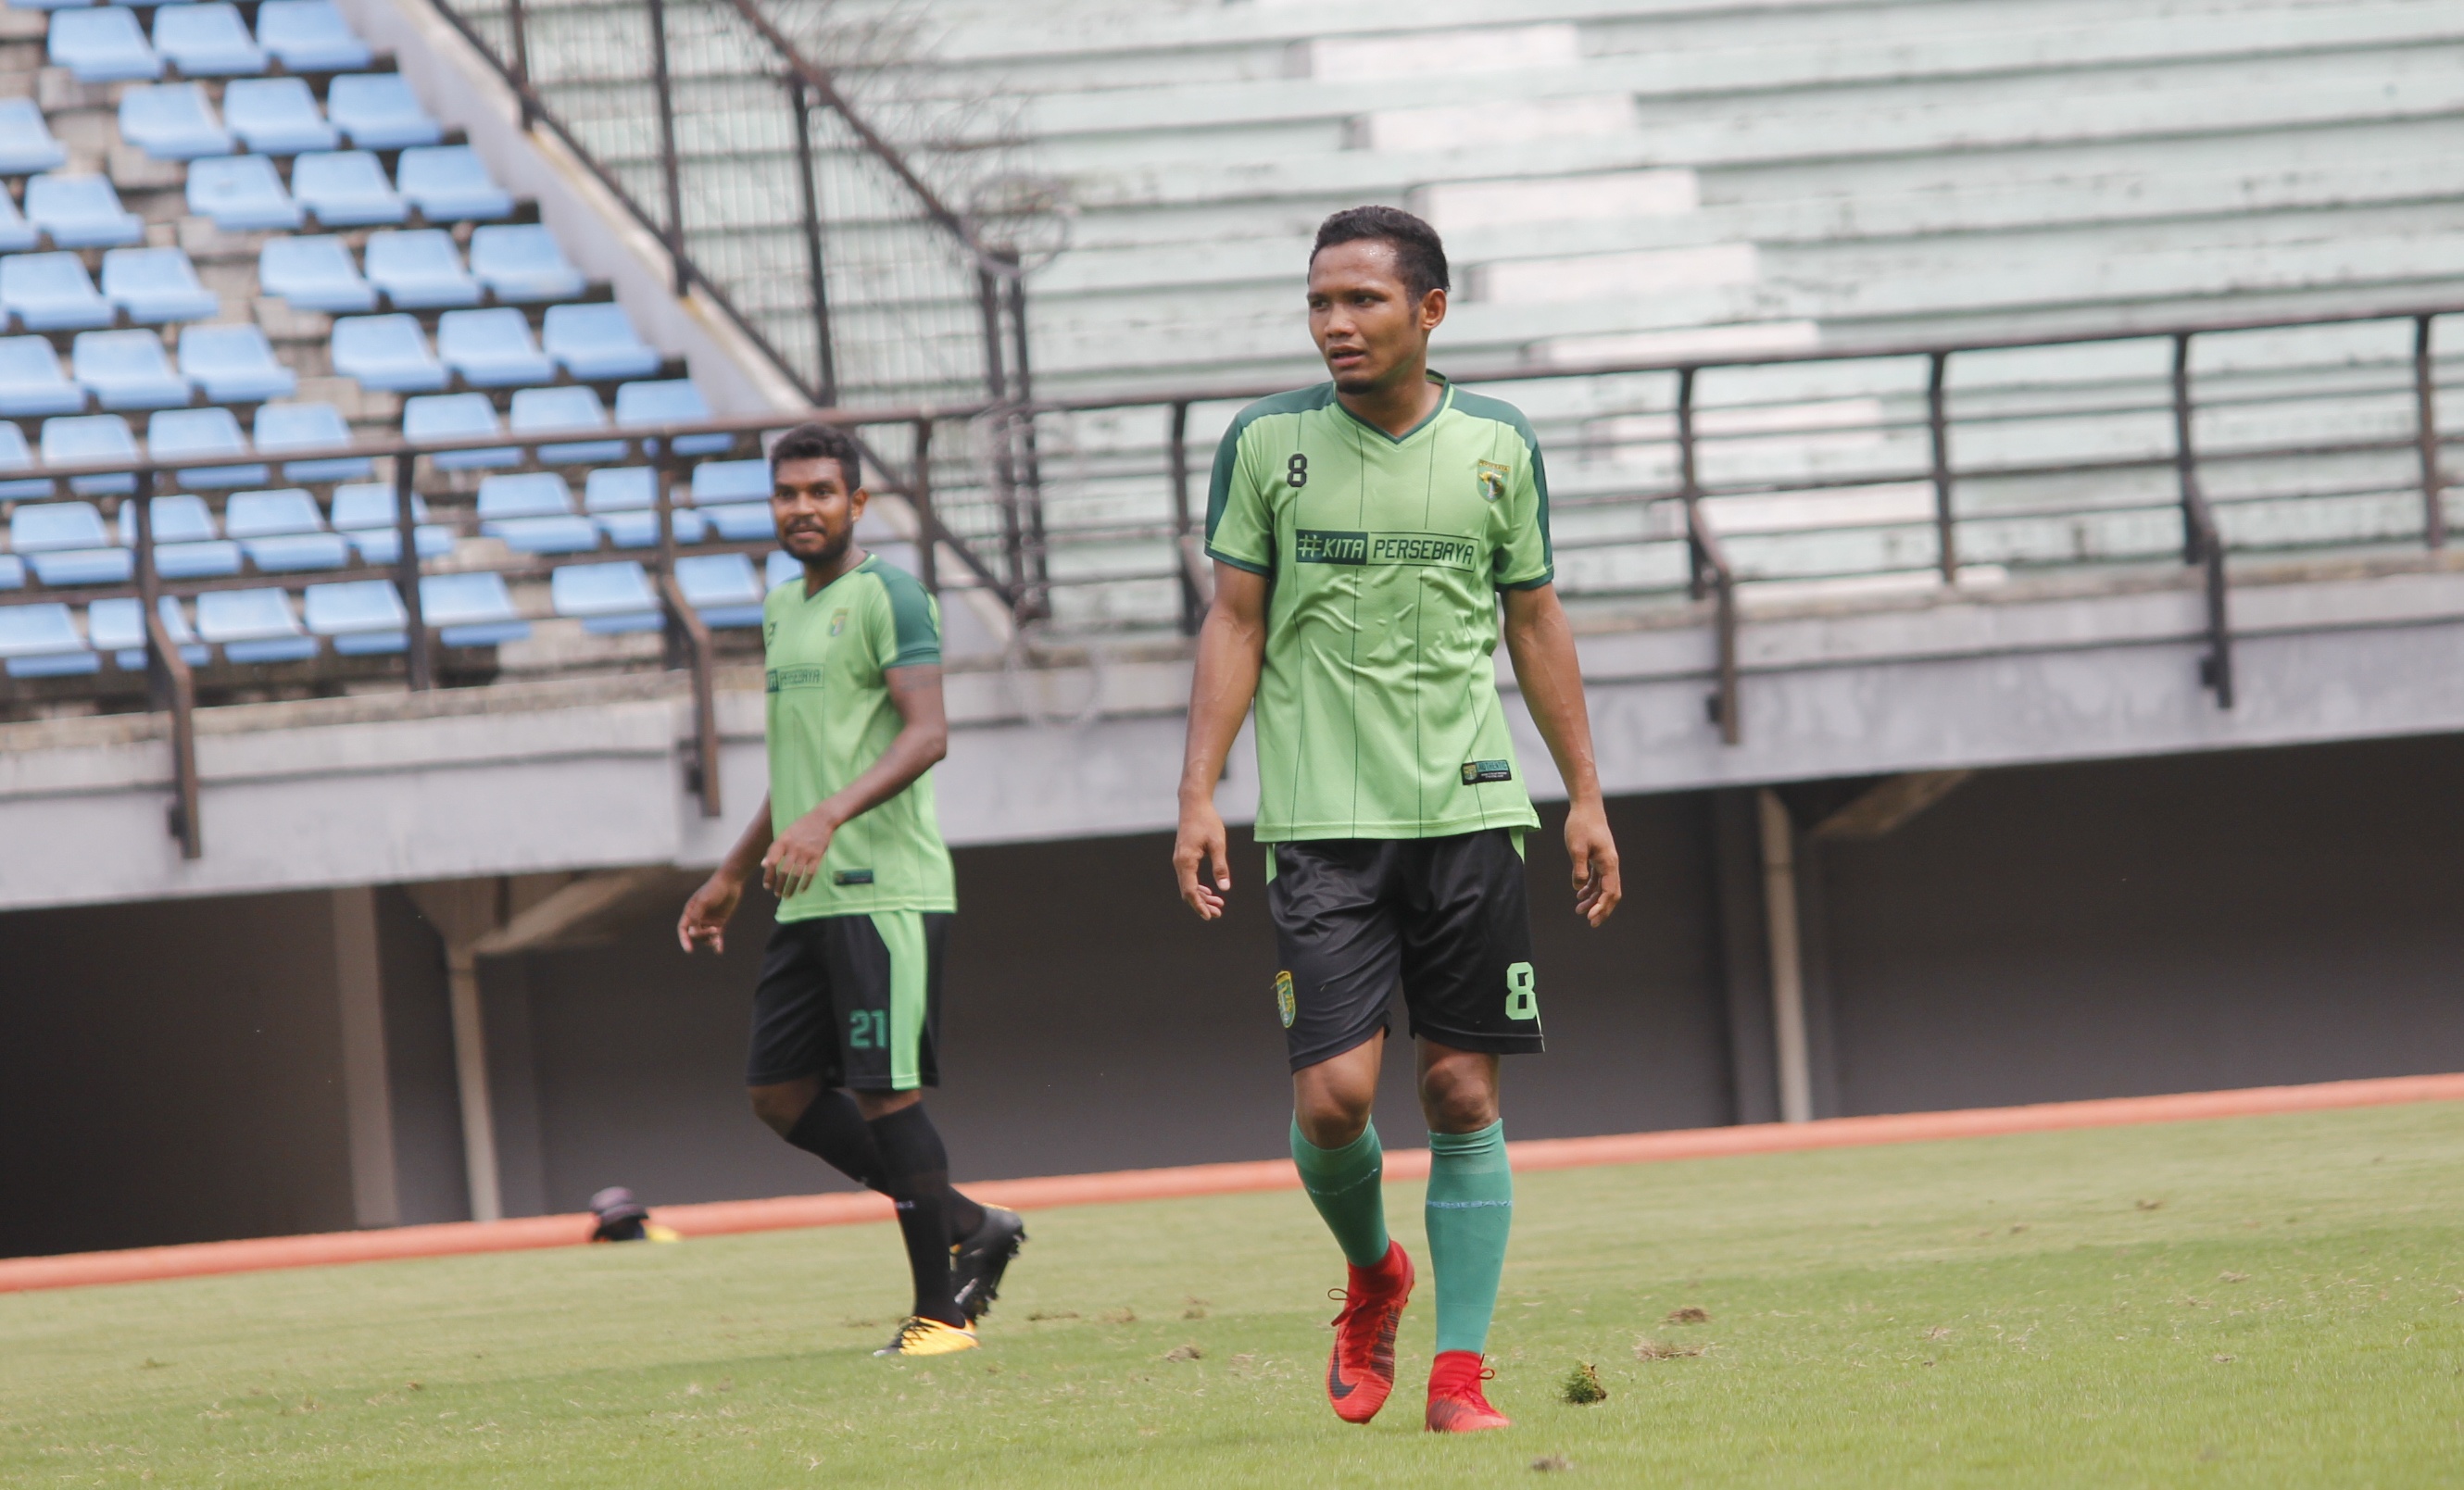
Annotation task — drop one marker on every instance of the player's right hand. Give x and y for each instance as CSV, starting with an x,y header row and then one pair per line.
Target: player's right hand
x,y
1200,847
707,915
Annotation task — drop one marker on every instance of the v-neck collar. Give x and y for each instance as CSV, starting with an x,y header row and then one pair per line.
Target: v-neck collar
x,y
856,568
1444,402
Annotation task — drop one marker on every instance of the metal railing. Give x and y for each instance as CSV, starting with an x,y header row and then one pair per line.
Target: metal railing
x,y
1666,487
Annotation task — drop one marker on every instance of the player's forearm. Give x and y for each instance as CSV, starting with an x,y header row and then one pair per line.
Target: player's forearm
x,y
1541,644
751,844
1230,654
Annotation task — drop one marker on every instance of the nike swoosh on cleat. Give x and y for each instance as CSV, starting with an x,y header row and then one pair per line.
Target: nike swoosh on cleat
x,y
1335,1386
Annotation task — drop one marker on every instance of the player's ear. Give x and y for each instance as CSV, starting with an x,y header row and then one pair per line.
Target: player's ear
x,y
1433,310
855,502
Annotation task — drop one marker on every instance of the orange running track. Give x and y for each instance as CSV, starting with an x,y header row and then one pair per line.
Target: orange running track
x,y
720,1218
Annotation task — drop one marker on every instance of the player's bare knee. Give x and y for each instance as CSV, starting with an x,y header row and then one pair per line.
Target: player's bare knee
x,y
1457,1097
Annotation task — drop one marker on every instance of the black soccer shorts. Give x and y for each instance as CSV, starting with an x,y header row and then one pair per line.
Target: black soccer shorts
x,y
1450,916
854,1001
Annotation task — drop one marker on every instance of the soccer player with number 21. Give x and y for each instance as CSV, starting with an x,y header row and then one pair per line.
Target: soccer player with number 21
x,y
1365,532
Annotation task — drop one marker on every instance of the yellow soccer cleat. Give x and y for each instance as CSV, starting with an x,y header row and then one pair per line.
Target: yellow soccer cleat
x,y
922,1336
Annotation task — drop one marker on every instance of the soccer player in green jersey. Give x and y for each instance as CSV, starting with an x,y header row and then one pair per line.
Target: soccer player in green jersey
x,y
846,1016
1366,532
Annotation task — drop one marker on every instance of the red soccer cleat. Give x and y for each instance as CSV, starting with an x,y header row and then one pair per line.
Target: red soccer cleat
x,y
1455,1404
1361,1371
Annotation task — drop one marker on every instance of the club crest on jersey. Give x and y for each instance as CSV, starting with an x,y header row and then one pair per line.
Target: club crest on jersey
x,y
1491,477
838,621
1286,1007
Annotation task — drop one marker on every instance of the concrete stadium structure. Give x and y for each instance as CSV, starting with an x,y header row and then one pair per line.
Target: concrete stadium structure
x,y
1997,798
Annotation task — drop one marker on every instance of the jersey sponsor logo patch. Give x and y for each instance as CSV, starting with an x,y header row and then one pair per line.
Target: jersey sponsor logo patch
x,y
838,621
1324,546
1491,477
1286,1007
780,679
852,876
1476,772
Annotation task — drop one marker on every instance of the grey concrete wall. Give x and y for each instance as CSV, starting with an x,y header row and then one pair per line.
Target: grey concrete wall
x,y
170,1073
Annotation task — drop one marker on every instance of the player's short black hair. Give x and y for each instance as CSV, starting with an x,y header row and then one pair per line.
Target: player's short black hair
x,y
821,442
1420,254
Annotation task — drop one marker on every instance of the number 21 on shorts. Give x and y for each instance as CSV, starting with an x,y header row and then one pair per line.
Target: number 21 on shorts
x,y
868,1029
1522,993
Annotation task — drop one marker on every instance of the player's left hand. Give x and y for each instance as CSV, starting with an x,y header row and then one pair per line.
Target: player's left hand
x,y
1597,888
795,857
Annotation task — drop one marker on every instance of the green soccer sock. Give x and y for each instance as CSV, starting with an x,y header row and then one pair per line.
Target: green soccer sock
x,y
1344,1185
1470,1210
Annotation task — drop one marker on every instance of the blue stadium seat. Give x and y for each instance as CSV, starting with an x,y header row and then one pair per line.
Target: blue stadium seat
x,y
722,589
568,407
715,482
523,262
104,45
596,344
470,610
31,383
388,352
51,292
12,572
345,189
379,112
242,193
742,522
364,515
115,627
606,598
177,432
82,212
234,365
127,369
252,626
315,275
25,142
419,269
308,426
42,641
451,416
449,184
534,513
46,5
310,36
361,617
282,532
677,402
174,121
66,543
187,545
277,116
624,501
156,285
15,456
207,40
491,348
16,235
91,439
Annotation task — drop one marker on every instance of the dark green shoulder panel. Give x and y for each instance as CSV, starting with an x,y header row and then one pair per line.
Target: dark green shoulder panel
x,y
1227,453
913,622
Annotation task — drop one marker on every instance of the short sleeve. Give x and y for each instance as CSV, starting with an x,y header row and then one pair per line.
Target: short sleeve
x,y
1524,559
906,623
1239,526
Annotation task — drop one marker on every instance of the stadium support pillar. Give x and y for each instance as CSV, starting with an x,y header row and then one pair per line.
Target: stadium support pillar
x,y
367,1088
462,912
1786,958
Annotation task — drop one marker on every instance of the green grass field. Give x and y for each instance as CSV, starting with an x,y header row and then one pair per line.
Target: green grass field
x,y
2260,1302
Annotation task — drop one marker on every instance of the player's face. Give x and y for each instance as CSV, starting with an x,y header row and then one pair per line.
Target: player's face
x,y
814,510
1366,322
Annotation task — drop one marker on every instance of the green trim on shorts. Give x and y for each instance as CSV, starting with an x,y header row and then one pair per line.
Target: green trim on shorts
x,y
902,932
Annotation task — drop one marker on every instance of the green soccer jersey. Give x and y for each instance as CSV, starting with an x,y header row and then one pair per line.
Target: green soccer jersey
x,y
1377,712
830,718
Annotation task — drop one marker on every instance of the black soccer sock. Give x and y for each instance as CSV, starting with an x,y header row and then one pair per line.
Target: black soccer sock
x,y
835,1132
915,1173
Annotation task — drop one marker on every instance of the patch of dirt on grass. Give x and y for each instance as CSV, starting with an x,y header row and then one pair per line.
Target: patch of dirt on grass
x,y
1689,1315
1938,1332
2233,1278
1646,1349
1120,1316
2150,1205
1549,1464
1188,1352
1038,1316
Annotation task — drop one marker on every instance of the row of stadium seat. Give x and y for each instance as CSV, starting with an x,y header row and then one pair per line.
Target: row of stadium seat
x,y
419,269
108,44
366,617
213,432
490,348
346,188
124,369
53,291
177,121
